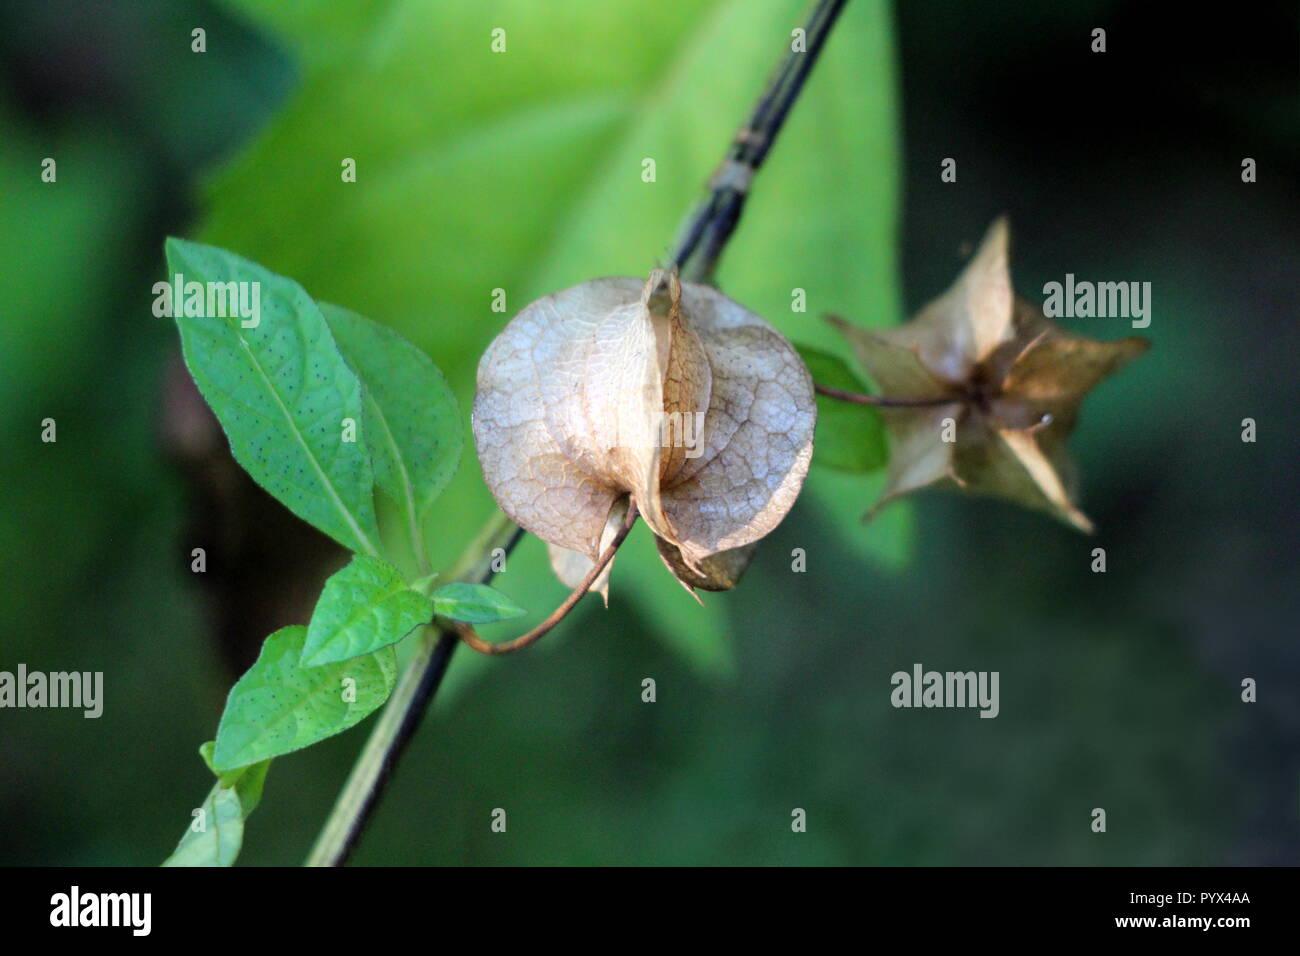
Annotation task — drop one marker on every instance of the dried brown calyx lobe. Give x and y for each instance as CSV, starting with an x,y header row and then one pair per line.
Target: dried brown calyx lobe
x,y
665,392
1005,383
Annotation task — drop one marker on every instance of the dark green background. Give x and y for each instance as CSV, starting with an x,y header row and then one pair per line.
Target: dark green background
x,y
1118,691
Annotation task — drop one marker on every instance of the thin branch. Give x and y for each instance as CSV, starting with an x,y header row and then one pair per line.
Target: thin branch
x,y
857,398
710,226
468,635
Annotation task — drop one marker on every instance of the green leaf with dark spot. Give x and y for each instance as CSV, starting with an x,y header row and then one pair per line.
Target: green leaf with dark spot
x,y
849,437
280,706
365,606
281,390
474,603
412,423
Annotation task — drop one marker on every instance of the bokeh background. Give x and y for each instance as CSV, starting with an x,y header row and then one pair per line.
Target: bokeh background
x,y
521,171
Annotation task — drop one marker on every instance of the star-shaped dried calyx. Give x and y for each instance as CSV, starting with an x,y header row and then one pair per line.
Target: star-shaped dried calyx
x,y
665,393
987,371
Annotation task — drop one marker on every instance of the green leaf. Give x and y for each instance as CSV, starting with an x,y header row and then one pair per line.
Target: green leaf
x,y
220,830
283,394
249,785
474,603
412,423
363,607
247,781
215,836
280,706
849,437
205,751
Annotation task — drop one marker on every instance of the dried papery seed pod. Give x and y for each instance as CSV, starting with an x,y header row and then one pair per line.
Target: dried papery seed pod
x,y
1009,381
664,392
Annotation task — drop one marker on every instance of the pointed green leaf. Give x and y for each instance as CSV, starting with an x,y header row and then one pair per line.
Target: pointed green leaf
x,y
474,603
282,391
849,437
412,423
363,607
215,836
205,751
280,706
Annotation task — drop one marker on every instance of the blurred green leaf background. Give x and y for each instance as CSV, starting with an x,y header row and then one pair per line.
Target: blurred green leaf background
x,y
521,171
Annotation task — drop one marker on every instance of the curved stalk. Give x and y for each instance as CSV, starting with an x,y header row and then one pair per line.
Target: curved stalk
x,y
468,635
857,398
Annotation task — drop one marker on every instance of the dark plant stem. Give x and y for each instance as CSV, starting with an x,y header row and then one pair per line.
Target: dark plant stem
x,y
706,235
712,223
